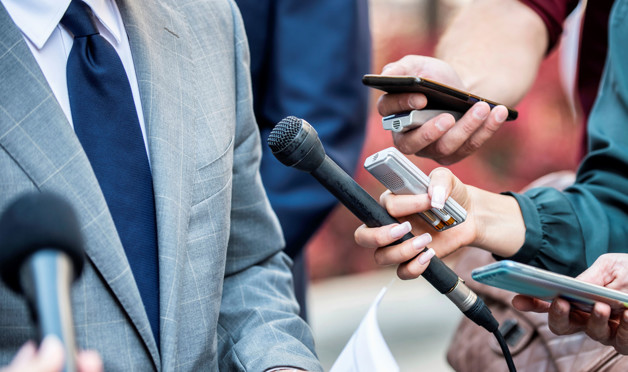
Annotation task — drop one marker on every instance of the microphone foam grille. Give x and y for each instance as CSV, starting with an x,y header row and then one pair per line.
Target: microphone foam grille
x,y
284,132
33,222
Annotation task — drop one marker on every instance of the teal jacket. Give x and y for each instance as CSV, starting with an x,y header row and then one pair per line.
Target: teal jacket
x,y
566,231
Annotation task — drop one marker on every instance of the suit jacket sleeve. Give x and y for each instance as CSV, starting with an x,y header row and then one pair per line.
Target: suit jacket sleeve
x,y
566,232
258,325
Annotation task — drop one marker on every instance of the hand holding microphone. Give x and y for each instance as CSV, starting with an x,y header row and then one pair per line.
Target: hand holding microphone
x,y
296,144
41,254
50,358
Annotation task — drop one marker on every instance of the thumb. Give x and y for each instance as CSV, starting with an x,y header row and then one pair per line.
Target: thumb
x,y
50,355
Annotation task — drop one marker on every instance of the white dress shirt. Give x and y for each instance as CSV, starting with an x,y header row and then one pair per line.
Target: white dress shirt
x,y
51,43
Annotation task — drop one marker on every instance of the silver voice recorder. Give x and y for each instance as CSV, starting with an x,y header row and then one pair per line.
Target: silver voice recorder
x,y
402,177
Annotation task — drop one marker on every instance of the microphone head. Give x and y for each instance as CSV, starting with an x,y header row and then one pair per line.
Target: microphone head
x,y
295,143
33,222
284,132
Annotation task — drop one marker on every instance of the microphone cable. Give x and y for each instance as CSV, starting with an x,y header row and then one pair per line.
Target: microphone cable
x,y
505,350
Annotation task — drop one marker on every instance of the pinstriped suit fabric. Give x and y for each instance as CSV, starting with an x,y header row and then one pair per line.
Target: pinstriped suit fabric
x,y
225,289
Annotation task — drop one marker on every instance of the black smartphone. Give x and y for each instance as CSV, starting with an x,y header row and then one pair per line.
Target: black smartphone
x,y
439,96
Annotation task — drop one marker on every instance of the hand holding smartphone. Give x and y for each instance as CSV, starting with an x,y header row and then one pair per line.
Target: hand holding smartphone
x,y
545,285
439,96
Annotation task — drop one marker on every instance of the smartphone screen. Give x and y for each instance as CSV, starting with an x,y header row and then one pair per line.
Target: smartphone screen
x,y
439,96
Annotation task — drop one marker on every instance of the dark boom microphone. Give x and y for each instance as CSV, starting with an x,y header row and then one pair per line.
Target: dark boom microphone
x,y
295,143
41,254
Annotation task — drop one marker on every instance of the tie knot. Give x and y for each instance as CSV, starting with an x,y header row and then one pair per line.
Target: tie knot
x,y
78,19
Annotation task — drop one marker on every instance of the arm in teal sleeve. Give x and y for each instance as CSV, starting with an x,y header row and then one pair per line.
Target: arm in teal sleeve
x,y
566,231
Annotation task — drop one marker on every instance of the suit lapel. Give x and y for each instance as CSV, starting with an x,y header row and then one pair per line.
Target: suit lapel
x,y
36,134
161,55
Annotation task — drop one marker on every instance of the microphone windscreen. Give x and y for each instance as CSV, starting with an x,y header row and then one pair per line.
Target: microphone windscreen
x,y
284,132
33,222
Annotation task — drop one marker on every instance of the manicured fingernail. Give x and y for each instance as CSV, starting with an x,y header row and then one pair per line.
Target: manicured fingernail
x,y
438,197
385,69
501,116
400,230
421,241
426,256
480,112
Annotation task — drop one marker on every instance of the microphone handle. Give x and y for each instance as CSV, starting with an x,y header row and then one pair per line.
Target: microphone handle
x,y
46,278
363,206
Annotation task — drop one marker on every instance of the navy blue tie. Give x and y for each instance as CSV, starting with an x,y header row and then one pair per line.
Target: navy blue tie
x,y
106,123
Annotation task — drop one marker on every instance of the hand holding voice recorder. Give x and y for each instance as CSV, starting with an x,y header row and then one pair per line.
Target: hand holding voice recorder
x,y
401,176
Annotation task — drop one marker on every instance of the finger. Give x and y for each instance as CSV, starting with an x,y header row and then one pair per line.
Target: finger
x,y
558,317
375,237
464,129
596,273
527,303
26,353
50,355
425,67
523,303
394,103
383,196
419,140
400,253
417,266
408,65
89,361
597,325
493,122
442,182
405,205
621,337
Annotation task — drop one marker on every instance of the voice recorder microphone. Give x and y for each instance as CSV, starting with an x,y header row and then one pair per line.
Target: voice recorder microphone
x,y
41,254
295,143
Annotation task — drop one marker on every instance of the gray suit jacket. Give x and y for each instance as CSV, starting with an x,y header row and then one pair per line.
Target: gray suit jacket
x,y
225,288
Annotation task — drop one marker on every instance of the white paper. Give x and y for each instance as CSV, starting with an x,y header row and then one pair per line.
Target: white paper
x,y
367,350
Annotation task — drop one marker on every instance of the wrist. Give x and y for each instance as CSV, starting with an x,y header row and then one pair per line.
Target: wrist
x,y
499,225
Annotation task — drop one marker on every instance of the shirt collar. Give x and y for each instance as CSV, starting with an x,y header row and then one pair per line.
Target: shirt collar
x,y
37,19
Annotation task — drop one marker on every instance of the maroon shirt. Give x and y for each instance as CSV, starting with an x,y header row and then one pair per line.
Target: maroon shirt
x,y
593,43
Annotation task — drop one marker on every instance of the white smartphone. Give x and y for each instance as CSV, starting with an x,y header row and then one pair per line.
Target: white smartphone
x,y
546,285
408,120
402,177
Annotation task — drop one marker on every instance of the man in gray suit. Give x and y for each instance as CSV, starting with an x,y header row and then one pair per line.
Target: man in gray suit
x,y
225,293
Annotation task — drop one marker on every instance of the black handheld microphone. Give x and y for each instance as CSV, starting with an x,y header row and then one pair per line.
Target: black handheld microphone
x,y
41,254
295,143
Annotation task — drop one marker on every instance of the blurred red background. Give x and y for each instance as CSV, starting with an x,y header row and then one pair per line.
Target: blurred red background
x,y
544,138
